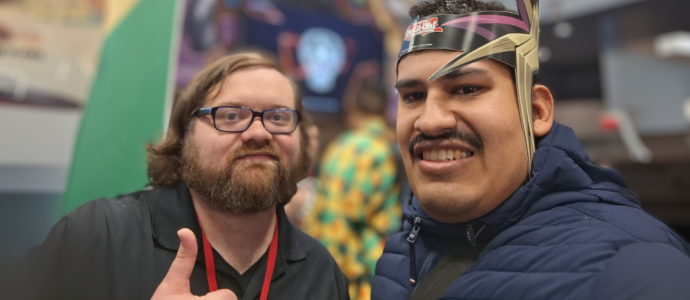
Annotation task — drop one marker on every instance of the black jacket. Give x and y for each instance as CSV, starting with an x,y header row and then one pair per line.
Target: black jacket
x,y
122,248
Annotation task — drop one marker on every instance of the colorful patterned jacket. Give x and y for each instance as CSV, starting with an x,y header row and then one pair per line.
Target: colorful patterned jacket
x,y
357,202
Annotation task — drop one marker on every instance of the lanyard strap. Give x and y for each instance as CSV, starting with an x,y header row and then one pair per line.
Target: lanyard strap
x,y
211,267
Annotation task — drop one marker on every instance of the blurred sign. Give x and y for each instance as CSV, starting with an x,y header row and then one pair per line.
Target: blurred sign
x,y
211,29
557,10
322,54
651,90
319,51
49,50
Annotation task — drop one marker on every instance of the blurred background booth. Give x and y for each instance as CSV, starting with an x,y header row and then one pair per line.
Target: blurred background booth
x,y
73,71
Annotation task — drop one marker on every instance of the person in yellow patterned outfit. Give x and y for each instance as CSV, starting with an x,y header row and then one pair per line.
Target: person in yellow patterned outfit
x,y
357,197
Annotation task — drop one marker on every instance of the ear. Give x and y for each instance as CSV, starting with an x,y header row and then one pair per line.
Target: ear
x,y
187,130
542,110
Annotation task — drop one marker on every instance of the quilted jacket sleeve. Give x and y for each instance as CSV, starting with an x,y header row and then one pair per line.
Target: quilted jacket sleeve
x,y
645,271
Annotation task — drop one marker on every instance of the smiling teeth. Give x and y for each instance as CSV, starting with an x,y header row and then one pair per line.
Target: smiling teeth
x,y
445,155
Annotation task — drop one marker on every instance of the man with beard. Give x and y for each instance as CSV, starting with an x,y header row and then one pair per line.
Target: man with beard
x,y
232,156
507,204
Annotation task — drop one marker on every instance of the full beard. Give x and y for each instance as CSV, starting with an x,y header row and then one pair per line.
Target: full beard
x,y
242,186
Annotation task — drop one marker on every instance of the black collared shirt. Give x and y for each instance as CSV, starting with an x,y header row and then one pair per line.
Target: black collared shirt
x,y
122,248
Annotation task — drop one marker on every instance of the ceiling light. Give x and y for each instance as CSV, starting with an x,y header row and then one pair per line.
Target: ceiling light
x,y
563,30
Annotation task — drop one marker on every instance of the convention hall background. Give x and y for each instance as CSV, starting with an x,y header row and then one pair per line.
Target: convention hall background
x,y
80,79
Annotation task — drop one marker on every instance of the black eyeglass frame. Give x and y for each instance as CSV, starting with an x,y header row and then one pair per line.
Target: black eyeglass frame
x,y
212,111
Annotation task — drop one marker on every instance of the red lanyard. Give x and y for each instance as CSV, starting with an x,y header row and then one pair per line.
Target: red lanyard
x,y
211,267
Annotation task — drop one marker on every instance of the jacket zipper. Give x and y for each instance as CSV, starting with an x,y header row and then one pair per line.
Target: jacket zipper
x,y
414,234
417,225
471,237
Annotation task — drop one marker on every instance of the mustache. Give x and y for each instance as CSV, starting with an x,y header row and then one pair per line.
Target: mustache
x,y
449,134
250,149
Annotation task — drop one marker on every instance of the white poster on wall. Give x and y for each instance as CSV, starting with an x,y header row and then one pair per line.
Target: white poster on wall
x,y
49,50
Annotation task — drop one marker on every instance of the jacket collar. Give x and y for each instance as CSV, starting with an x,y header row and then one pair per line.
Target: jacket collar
x,y
174,210
562,173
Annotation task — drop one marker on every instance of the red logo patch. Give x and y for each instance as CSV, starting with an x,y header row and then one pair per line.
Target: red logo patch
x,y
422,28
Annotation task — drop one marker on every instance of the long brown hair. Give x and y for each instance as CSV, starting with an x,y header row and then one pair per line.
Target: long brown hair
x,y
165,158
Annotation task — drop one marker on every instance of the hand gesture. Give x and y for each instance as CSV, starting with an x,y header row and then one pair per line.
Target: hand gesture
x,y
175,285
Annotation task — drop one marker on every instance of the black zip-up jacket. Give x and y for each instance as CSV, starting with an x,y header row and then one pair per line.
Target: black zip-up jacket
x,y
122,248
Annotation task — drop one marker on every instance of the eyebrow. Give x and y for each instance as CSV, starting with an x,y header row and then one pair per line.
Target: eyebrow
x,y
233,103
408,83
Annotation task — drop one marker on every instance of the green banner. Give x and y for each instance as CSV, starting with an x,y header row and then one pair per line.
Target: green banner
x,y
127,105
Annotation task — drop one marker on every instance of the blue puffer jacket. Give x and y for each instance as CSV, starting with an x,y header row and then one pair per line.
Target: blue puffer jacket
x,y
574,231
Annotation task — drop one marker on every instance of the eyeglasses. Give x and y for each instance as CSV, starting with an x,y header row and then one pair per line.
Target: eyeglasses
x,y
238,119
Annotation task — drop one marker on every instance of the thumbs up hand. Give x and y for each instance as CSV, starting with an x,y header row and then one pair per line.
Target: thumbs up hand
x,y
175,285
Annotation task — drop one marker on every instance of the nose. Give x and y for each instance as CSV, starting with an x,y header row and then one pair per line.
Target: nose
x,y
435,118
256,133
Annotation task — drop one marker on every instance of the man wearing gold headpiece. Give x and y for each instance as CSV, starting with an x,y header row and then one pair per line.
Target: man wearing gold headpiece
x,y
507,204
